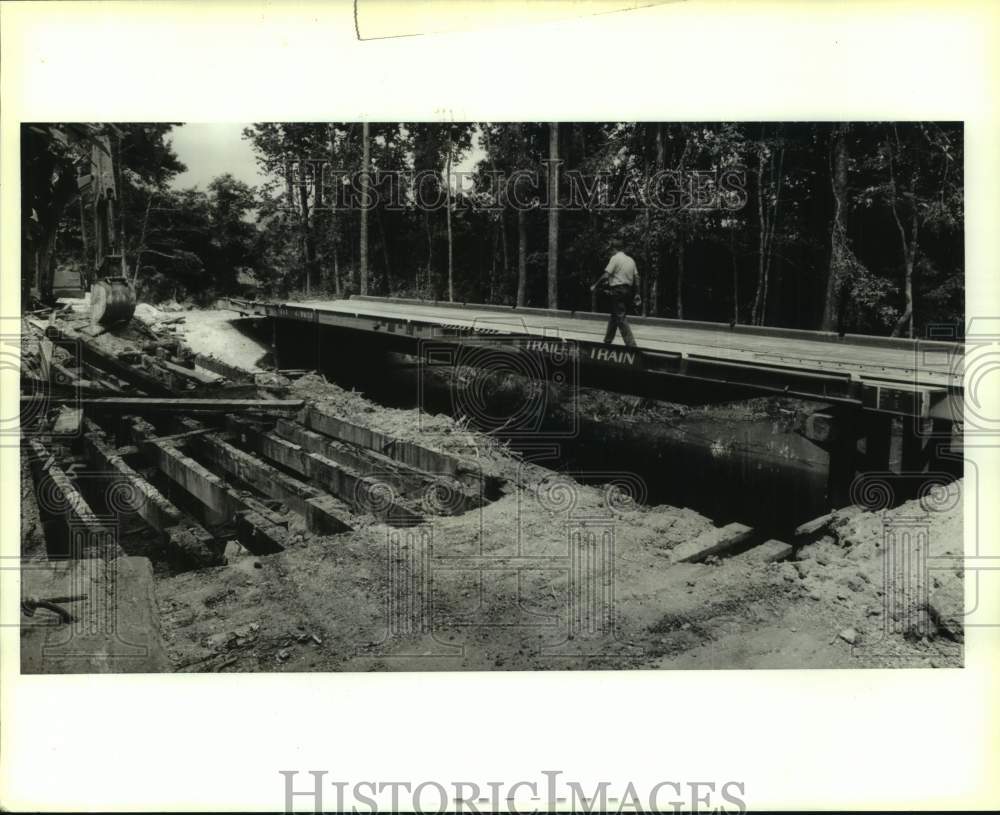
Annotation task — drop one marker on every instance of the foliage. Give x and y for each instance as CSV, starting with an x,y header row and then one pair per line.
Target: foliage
x,y
760,253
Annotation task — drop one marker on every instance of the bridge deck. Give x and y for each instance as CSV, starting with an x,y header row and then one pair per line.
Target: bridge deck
x,y
917,363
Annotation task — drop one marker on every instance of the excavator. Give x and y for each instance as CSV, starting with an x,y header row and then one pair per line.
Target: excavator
x,y
112,296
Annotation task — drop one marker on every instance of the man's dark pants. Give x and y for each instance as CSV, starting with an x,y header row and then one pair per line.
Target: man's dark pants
x,y
621,297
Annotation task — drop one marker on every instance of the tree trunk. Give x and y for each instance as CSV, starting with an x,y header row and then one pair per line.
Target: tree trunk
x,y
838,231
503,243
908,314
522,258
335,242
317,224
553,253
682,226
909,258
493,261
141,247
430,249
522,230
500,228
654,270
447,189
909,246
334,233
385,249
645,280
736,280
363,247
773,312
304,232
767,219
761,239
680,281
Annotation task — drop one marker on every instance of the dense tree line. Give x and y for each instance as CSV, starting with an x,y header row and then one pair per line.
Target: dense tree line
x,y
843,226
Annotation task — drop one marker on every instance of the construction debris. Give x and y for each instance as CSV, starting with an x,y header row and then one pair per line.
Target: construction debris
x,y
324,509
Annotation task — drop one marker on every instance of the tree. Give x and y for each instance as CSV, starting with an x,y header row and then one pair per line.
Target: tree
x,y
770,177
915,172
56,164
522,226
553,201
839,251
232,203
334,205
365,179
447,187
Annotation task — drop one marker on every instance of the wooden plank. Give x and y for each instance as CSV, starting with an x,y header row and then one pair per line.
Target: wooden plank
x,y
415,455
713,542
208,488
61,375
365,494
367,462
71,527
142,405
269,532
815,526
107,361
270,481
192,374
188,538
770,551
216,365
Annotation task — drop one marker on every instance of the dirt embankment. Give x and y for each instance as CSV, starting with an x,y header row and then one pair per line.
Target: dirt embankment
x,y
505,586
462,594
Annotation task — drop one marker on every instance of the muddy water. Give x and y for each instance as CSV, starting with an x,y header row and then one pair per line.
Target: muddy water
x,y
747,470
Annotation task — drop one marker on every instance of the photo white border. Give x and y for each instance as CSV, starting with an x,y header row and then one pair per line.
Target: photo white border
x,y
914,739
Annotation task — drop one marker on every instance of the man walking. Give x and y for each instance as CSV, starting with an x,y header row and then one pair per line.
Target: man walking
x,y
622,280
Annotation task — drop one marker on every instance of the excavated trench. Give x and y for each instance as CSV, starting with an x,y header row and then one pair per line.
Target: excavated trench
x,y
737,461
210,490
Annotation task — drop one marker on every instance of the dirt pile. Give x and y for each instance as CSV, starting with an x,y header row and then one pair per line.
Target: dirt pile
x,y
215,333
434,431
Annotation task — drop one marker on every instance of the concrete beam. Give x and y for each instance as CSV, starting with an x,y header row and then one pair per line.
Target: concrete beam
x,y
269,533
364,461
71,527
415,455
713,542
364,493
464,495
188,538
770,551
270,481
230,372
